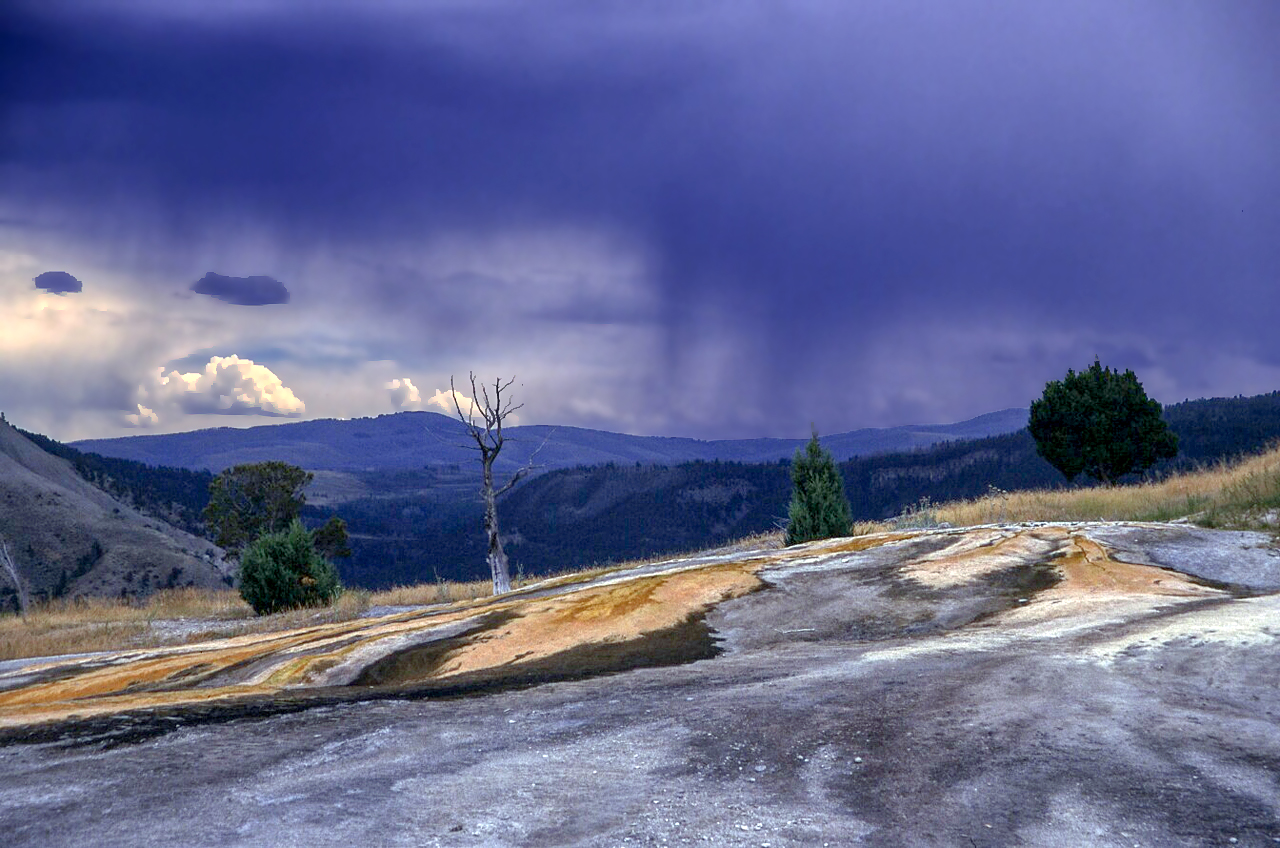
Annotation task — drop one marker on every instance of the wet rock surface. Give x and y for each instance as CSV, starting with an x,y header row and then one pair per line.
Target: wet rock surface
x,y
989,687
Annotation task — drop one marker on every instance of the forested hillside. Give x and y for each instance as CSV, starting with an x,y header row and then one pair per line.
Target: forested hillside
x,y
1224,427
578,516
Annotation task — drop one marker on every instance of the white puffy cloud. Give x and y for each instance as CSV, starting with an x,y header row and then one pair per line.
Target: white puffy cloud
x,y
228,385
445,400
404,394
142,419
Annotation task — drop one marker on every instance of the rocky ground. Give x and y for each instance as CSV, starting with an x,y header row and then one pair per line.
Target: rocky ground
x,y
1055,685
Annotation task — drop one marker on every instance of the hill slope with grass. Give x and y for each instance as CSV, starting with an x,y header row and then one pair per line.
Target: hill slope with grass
x,y
70,538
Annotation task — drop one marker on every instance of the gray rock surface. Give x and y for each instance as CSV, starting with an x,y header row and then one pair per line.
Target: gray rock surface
x,y
852,705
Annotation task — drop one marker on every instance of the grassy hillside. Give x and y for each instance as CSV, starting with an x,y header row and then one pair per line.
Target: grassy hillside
x,y
174,495
1243,494
68,537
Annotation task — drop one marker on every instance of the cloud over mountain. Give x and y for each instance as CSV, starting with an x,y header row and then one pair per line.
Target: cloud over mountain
x,y
228,385
404,394
142,419
242,291
58,282
452,400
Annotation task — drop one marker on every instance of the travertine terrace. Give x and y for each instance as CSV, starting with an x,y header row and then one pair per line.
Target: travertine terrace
x,y
1041,684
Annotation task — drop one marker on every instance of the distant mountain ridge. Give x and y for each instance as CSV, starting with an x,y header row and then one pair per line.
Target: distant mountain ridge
x,y
413,440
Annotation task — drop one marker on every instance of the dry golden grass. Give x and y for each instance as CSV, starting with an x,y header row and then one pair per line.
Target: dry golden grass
x,y
82,625
1235,495
442,592
866,528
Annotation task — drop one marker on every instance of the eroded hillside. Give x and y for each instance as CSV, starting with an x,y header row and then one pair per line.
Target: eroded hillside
x,y
69,537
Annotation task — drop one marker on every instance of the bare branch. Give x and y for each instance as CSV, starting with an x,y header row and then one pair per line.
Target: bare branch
x,y
528,466
511,484
432,434
469,418
543,444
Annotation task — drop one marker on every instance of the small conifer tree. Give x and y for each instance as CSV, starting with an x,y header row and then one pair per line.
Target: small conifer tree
x,y
280,571
819,508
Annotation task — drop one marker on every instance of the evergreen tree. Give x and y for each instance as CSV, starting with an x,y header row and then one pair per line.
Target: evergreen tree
x,y
1100,422
283,570
819,508
249,500
331,539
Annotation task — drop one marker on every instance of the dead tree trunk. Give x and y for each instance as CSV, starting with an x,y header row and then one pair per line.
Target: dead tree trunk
x,y
496,556
19,585
489,439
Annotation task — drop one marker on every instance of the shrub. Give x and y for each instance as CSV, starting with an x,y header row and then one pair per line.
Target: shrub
x,y
281,571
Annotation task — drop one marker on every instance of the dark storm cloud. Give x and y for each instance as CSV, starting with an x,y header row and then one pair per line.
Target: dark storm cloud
x,y
58,282
242,291
825,178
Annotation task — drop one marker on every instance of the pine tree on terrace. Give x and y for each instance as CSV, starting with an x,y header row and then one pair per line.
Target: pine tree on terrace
x,y
819,508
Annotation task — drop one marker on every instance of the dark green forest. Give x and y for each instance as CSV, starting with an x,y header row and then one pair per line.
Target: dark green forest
x,y
418,526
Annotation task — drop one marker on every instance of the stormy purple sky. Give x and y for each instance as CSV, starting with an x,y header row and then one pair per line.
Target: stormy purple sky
x,y
716,219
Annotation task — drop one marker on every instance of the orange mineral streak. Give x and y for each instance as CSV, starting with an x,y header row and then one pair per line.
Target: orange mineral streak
x,y
612,609
854,544
610,613
1089,570
111,704
131,680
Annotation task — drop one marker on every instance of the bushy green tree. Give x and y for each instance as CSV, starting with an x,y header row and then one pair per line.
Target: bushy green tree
x,y
331,539
249,500
1100,422
280,571
819,508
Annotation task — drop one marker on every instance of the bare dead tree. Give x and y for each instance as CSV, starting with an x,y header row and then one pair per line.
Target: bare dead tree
x,y
19,585
492,412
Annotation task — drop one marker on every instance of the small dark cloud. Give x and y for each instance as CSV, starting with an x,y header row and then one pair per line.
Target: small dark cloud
x,y
242,291
58,282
